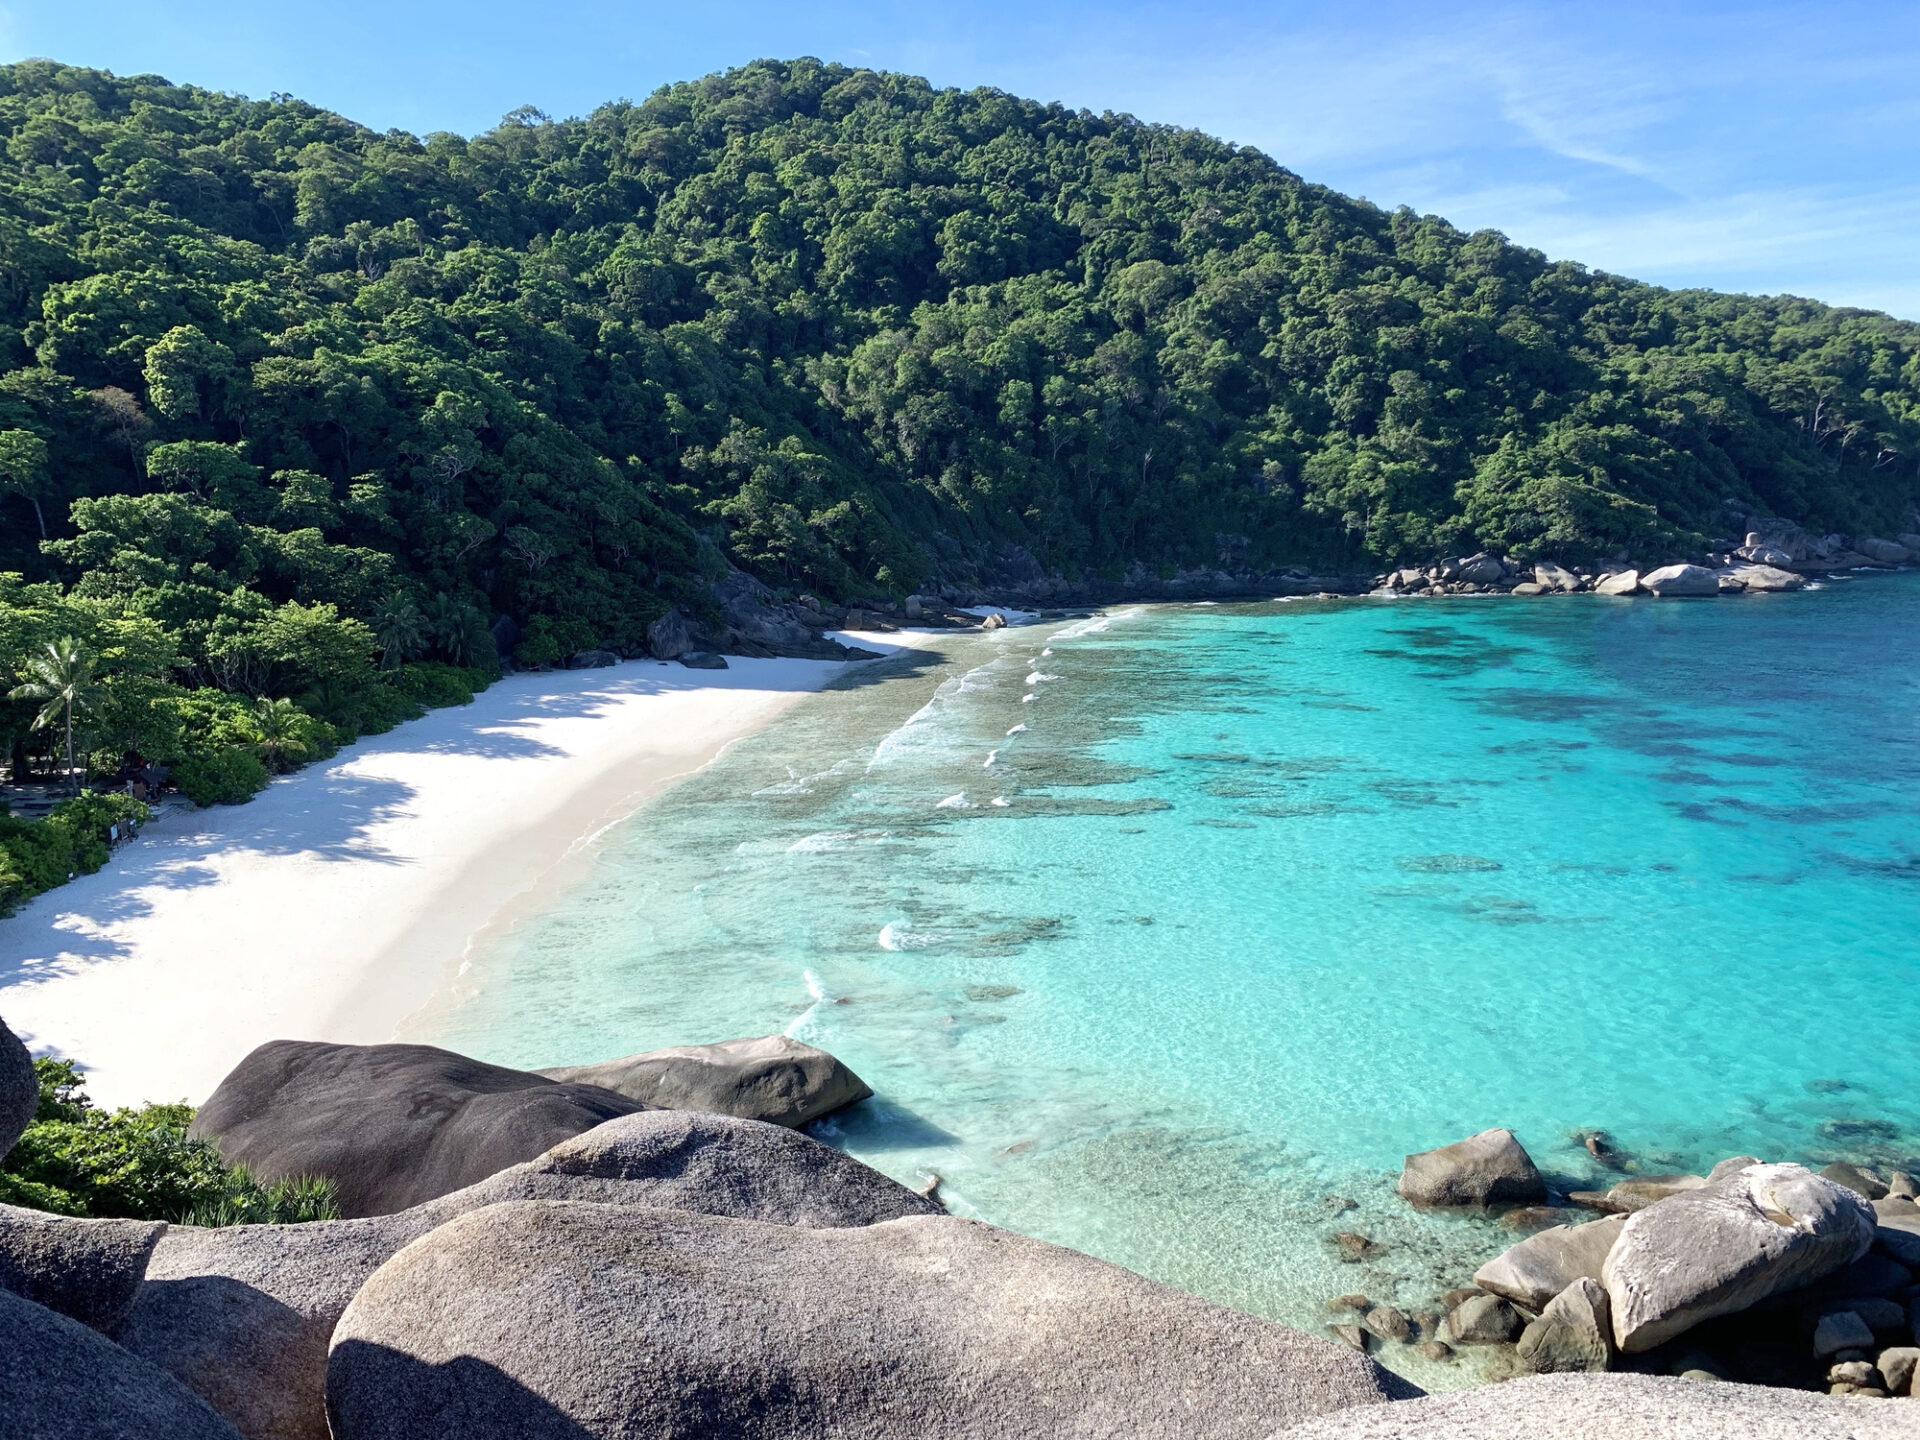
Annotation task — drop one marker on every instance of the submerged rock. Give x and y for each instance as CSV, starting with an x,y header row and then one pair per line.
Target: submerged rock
x,y
1543,1265
1718,1249
60,1380
1481,1320
1861,1182
1483,1169
1574,1333
19,1088
88,1270
1615,1407
1389,1323
768,1077
391,1125
933,1327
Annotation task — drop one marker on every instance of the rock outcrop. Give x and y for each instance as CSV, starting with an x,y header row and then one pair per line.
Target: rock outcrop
x,y
1484,1169
1574,1334
932,1327
1615,1407
87,1270
1718,1249
60,1380
391,1125
707,1164
1767,577
774,1078
244,1315
1481,1320
1671,580
1545,1264
19,1088
1621,582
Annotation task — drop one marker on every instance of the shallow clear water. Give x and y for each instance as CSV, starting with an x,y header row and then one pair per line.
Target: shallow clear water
x,y
1280,892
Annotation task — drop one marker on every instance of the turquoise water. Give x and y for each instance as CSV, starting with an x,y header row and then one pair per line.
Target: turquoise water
x,y
1264,896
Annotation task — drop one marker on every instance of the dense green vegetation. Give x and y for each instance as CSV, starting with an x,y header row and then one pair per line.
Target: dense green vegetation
x,y
78,1159
290,409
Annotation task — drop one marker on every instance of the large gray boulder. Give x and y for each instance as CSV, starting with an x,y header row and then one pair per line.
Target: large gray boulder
x,y
1574,1334
1484,1169
60,1380
391,1125
1544,1264
586,1321
19,1088
1621,582
1884,552
766,1077
1681,580
1767,577
1718,1249
244,1315
707,1164
88,1270
671,636
1617,1407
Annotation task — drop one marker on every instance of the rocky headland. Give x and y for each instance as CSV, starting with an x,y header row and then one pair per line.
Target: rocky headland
x,y
626,1268
1774,555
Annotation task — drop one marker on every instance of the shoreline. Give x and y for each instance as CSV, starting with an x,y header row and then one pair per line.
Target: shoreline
x,y
341,901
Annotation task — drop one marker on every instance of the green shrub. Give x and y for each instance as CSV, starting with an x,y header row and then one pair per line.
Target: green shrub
x,y
547,640
228,776
76,1159
434,684
72,840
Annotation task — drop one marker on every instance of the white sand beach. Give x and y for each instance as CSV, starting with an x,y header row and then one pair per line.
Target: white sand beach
x,y
340,900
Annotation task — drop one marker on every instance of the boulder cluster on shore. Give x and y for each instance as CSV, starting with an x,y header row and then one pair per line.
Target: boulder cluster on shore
x,y
1763,1273
565,1256
1775,555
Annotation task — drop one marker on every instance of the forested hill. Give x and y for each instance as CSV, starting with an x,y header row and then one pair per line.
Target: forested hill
x,y
843,330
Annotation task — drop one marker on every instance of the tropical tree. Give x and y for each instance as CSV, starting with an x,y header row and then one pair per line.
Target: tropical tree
x,y
279,731
63,679
23,469
399,631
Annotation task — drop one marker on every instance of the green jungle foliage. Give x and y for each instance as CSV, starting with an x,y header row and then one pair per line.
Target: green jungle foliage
x,y
77,1159
291,409
72,840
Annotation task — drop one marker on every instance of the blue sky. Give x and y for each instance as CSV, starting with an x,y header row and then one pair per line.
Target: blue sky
x,y
1758,147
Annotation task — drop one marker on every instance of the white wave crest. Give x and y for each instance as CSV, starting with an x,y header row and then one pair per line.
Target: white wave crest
x,y
957,802
1018,728
898,937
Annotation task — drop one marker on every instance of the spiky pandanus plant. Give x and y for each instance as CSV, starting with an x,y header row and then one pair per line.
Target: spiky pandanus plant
x,y
63,679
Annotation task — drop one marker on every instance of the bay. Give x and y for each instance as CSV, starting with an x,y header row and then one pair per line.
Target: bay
x,y
1166,933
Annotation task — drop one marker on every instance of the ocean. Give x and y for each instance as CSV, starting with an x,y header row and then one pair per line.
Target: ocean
x,y
1167,932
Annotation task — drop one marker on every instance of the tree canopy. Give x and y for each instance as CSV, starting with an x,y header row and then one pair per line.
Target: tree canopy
x,y
297,405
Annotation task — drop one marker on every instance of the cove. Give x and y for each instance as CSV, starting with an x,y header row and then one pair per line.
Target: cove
x,y
1165,934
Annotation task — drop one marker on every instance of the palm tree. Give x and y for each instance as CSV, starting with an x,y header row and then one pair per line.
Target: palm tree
x,y
276,726
449,624
399,629
63,678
